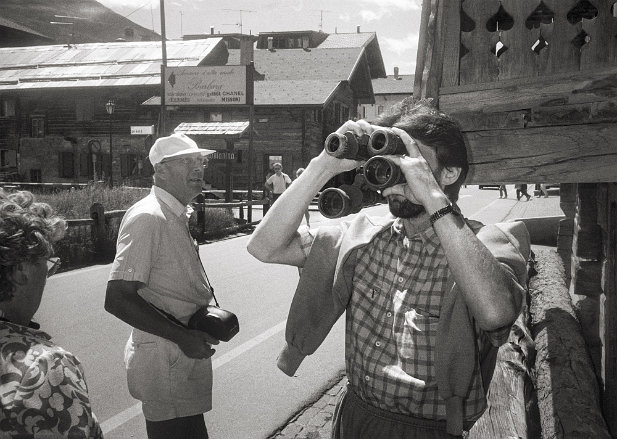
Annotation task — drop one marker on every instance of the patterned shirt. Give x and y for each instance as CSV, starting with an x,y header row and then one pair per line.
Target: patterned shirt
x,y
392,320
43,391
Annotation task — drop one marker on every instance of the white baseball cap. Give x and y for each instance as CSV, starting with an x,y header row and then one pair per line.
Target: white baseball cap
x,y
177,144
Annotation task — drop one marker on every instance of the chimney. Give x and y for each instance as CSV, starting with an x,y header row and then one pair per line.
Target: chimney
x,y
358,28
396,73
246,51
270,44
211,30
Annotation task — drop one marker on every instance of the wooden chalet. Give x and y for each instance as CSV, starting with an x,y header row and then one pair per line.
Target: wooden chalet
x,y
54,126
533,84
387,91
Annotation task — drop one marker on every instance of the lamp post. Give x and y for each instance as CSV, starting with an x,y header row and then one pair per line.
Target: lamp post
x,y
109,106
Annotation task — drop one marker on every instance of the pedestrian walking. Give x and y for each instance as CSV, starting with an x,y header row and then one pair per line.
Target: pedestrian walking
x,y
278,182
503,192
407,283
44,390
157,274
521,191
543,190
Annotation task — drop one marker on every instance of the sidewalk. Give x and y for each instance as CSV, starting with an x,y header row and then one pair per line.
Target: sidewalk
x,y
315,420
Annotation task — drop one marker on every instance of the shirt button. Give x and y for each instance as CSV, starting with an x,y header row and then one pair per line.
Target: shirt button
x,y
367,378
389,314
130,270
377,343
401,280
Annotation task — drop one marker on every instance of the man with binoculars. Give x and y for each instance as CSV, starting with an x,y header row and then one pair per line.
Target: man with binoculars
x,y
428,294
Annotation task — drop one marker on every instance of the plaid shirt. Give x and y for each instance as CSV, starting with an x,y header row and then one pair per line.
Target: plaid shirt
x,y
391,326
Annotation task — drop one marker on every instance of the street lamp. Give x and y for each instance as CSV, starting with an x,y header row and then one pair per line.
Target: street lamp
x,y
109,106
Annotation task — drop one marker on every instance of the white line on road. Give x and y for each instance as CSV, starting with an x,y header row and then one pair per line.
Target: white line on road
x,y
135,410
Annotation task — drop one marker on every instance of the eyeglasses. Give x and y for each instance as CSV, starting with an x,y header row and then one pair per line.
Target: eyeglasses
x,y
52,265
188,161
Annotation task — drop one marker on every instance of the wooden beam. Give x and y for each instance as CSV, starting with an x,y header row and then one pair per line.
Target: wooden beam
x,y
562,154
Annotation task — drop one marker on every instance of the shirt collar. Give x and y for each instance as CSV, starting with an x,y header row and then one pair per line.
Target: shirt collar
x,y
430,240
169,200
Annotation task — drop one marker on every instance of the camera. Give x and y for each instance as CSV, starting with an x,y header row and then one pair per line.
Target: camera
x,y
347,146
218,322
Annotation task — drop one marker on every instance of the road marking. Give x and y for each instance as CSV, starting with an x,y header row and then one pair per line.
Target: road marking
x,y
79,271
135,410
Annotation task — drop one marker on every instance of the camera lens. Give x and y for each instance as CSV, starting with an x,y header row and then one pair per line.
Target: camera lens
x,y
381,173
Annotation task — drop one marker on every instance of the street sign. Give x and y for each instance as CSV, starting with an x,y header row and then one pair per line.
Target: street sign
x,y
206,85
142,130
222,156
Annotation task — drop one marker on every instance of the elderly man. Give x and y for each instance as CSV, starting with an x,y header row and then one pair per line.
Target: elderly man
x,y
426,292
157,266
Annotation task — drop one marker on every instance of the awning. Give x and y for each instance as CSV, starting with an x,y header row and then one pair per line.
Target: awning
x,y
213,129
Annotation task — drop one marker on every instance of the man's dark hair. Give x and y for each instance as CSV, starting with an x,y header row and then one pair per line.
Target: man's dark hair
x,y
425,123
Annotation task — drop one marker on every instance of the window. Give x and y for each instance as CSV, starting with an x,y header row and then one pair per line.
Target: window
x,y
8,157
7,107
84,109
317,115
66,165
128,165
344,113
38,126
379,109
85,164
36,176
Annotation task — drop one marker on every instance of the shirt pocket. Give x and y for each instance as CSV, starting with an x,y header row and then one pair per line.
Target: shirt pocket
x,y
416,343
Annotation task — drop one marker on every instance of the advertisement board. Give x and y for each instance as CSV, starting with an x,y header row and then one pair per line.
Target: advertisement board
x,y
206,85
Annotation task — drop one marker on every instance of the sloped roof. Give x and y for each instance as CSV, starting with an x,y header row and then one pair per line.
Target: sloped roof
x,y
91,21
299,92
99,64
301,64
342,41
391,85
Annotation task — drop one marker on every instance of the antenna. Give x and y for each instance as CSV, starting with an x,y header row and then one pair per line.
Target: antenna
x,y
321,11
240,11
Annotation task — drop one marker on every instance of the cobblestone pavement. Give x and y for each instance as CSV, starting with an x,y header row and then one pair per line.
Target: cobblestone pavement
x,y
315,420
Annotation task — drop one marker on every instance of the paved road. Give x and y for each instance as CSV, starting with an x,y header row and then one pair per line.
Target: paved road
x,y
252,398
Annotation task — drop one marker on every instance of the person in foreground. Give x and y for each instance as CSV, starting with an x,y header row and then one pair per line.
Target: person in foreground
x,y
157,268
43,390
427,293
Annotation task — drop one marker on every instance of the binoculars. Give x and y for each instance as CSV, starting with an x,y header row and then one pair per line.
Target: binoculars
x,y
379,172
336,202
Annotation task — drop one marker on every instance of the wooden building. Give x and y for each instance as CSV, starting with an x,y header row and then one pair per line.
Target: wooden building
x,y
54,124
533,84
387,91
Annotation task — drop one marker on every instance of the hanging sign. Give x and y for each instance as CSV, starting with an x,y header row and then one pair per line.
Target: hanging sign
x,y
206,85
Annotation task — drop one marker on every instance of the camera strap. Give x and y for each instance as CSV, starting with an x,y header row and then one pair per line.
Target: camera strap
x,y
216,302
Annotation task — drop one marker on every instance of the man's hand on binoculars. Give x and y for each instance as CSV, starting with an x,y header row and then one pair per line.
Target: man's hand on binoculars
x,y
422,186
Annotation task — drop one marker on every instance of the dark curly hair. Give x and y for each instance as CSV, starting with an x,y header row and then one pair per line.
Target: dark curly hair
x,y
424,122
27,232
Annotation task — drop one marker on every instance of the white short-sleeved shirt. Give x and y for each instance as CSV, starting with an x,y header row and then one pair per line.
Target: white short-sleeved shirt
x,y
279,182
155,248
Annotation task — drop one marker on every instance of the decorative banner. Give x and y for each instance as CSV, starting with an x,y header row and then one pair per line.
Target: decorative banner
x,y
206,85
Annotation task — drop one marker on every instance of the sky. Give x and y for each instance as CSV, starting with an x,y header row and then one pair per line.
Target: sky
x,y
396,22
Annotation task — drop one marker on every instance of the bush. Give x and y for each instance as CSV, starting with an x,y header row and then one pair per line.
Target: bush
x,y
75,204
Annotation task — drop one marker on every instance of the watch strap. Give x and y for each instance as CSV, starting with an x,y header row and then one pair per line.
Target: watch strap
x,y
443,212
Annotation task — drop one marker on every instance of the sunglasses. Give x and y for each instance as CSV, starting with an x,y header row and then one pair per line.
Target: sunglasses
x,y
52,265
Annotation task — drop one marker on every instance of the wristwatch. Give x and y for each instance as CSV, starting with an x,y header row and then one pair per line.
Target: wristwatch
x,y
450,208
